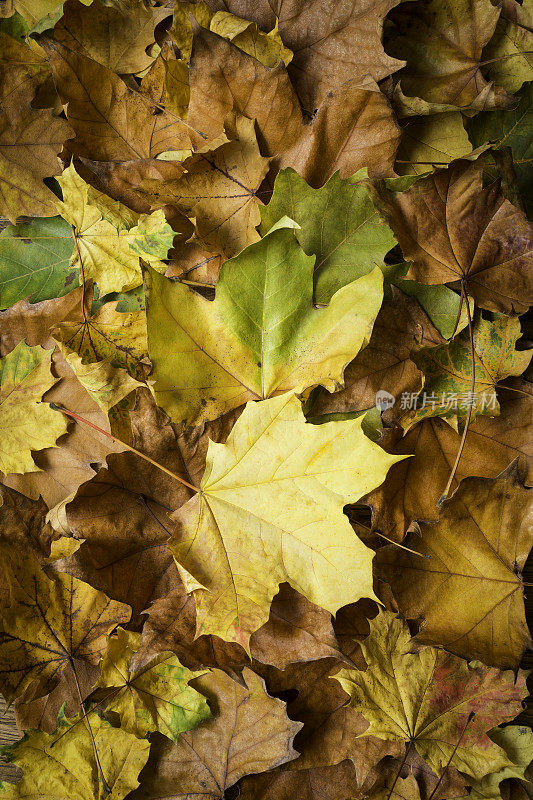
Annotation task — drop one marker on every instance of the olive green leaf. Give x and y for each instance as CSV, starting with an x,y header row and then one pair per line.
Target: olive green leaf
x,y
510,51
261,336
35,261
26,423
511,129
338,224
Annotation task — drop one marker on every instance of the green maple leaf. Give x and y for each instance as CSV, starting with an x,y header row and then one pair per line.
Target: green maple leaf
x,y
38,268
260,337
338,224
270,509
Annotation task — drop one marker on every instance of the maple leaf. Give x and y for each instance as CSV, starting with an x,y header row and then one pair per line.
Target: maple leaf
x,y
354,127
108,334
442,46
219,190
337,223
448,370
108,243
115,37
453,229
27,423
63,764
38,268
517,742
155,697
277,342
327,783
329,48
107,385
279,485
427,698
224,78
23,69
510,48
490,445
112,121
476,549
50,622
252,732
394,788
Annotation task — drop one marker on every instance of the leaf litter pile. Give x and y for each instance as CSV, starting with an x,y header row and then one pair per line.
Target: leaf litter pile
x,y
265,407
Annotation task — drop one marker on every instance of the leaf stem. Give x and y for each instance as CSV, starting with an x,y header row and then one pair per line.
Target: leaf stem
x,y
446,491
82,273
469,720
105,784
397,544
77,417
407,751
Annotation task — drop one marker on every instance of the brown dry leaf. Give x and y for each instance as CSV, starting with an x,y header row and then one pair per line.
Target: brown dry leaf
x,y
451,228
250,733
491,444
122,513
354,128
33,711
112,121
385,364
30,142
442,44
297,630
34,321
469,593
332,44
323,783
171,625
451,783
51,622
219,190
117,37
224,78
22,527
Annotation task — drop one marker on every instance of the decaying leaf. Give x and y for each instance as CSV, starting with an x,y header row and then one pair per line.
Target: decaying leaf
x,y
469,594
453,383
270,454
442,45
109,238
436,701
250,733
51,621
452,229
